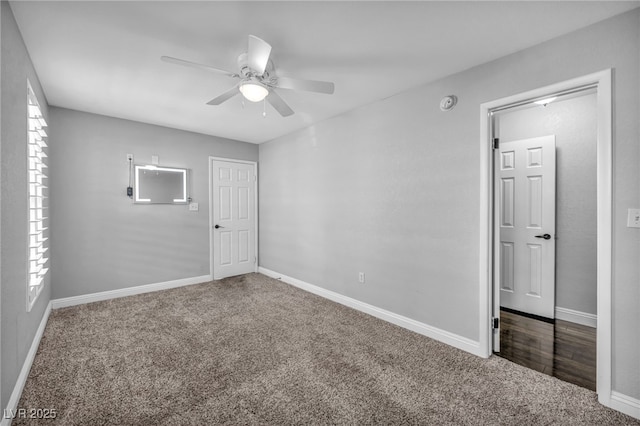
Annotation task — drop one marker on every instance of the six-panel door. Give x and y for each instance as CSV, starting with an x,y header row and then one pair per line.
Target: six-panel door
x,y
526,189
234,221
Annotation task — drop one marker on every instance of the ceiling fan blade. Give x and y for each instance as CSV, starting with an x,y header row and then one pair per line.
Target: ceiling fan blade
x,y
177,61
279,104
225,96
306,85
258,54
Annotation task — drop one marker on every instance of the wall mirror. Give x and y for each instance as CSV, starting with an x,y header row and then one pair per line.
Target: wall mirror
x,y
160,185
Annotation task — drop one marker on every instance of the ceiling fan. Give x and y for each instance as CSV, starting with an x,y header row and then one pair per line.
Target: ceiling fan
x,y
258,79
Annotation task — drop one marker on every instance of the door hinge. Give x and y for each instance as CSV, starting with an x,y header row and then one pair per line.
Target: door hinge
x,y
495,323
496,143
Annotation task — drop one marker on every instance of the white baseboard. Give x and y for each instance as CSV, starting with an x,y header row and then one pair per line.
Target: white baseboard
x,y
590,320
14,399
623,403
129,291
426,330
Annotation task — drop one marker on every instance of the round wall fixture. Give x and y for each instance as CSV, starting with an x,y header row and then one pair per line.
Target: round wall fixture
x,y
448,102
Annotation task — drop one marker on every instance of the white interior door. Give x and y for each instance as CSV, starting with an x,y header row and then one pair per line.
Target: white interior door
x,y
233,218
525,210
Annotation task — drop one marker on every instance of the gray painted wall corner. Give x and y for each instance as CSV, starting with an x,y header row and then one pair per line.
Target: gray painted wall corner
x,y
18,326
103,241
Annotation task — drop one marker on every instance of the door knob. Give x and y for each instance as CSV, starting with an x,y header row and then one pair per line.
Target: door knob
x,y
218,226
545,236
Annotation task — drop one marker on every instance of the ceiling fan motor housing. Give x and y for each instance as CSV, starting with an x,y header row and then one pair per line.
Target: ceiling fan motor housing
x,y
248,74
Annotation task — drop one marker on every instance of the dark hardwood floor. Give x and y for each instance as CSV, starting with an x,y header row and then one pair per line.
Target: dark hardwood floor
x,y
559,348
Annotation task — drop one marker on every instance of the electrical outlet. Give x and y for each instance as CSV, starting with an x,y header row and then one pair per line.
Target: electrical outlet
x,y
193,207
129,157
361,277
633,218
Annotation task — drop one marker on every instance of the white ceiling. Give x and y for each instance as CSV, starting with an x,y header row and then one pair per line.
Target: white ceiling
x,y
104,57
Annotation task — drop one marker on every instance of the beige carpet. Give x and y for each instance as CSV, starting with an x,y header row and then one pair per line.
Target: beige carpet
x,y
253,350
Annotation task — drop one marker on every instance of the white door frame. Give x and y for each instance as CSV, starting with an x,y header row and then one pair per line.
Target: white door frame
x,y
255,194
602,82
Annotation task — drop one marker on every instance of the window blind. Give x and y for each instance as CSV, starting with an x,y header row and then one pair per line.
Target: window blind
x,y
38,206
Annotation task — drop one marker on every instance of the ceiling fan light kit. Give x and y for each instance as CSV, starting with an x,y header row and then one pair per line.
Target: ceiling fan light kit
x,y
253,91
258,79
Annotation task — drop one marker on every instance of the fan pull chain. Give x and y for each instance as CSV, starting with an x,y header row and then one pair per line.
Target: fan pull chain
x,y
264,107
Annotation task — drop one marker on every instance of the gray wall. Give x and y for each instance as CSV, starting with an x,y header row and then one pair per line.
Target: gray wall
x,y
18,326
2,405
100,239
392,189
574,123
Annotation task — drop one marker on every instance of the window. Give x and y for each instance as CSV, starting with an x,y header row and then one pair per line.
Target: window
x,y
38,205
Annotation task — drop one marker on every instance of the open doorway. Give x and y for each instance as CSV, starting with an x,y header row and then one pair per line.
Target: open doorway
x,y
546,221
490,295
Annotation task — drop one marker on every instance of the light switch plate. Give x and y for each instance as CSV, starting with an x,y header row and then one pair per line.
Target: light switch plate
x,y
633,218
193,207
155,160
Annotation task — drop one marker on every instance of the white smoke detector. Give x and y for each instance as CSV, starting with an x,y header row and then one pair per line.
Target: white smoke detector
x,y
448,102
